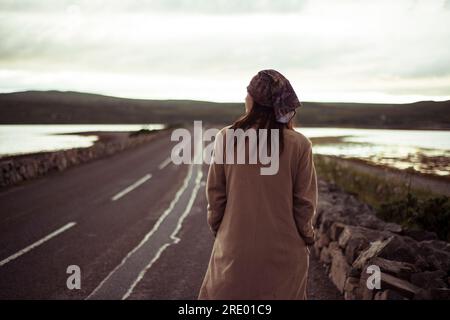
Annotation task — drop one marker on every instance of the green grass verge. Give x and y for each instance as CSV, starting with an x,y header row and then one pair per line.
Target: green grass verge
x,y
393,201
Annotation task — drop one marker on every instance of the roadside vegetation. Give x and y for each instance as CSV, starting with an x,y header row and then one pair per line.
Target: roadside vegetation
x,y
393,201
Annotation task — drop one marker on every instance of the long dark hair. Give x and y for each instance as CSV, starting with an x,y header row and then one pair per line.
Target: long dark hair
x,y
262,117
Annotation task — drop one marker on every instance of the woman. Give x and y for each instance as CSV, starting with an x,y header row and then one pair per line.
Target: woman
x,y
262,223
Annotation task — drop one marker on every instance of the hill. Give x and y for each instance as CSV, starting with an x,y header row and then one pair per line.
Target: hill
x,y
47,107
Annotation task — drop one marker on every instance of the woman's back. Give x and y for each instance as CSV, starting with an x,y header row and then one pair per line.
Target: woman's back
x,y
260,211
264,202
259,244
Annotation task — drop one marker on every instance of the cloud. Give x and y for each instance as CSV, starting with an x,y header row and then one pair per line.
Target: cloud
x,y
328,49
157,6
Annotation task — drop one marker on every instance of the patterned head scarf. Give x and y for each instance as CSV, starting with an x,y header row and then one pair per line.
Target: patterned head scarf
x,y
271,89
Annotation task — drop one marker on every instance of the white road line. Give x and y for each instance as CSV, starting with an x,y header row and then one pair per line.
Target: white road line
x,y
37,243
164,163
173,236
131,187
149,234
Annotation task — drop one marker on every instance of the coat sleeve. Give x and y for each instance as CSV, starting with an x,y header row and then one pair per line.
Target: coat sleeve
x,y
305,195
216,191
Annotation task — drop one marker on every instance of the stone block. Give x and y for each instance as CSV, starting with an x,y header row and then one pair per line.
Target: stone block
x,y
398,269
336,230
401,286
429,279
339,269
388,295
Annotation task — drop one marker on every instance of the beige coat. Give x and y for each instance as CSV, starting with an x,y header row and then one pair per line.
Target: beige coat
x,y
259,222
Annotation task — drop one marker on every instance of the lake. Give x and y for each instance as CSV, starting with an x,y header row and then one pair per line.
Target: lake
x,y
23,139
425,150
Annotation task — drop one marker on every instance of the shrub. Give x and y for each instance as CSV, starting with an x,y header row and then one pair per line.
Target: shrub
x,y
431,214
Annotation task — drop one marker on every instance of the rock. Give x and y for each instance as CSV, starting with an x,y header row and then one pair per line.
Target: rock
x,y
351,287
351,237
354,247
355,239
336,230
366,208
332,187
359,240
317,251
346,235
421,264
440,294
363,292
399,269
323,241
388,295
339,269
420,235
325,256
23,170
393,227
331,218
351,201
426,249
62,163
380,189
436,245
375,248
31,166
322,185
429,279
423,294
333,245
403,287
31,170
440,260
369,221
397,249
353,272
436,255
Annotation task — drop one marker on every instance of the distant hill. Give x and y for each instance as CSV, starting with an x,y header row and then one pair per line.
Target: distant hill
x,y
47,107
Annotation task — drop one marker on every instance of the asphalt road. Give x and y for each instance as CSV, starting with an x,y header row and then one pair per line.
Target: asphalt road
x,y
134,223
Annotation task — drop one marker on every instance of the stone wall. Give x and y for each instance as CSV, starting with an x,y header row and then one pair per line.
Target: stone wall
x,y
413,264
14,170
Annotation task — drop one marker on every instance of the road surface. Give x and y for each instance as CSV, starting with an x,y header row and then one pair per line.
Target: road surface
x,y
134,223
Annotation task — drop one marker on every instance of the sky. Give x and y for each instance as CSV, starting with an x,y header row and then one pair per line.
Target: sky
x,y
352,51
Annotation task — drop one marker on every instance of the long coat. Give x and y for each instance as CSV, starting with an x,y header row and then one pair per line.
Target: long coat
x,y
260,223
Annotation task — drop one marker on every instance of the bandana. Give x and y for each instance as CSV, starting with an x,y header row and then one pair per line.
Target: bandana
x,y
271,89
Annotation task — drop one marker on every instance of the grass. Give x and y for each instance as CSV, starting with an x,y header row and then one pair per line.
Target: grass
x,y
393,201
370,189
432,214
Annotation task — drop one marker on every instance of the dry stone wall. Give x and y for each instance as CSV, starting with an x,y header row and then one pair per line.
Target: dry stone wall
x,y
350,238
14,170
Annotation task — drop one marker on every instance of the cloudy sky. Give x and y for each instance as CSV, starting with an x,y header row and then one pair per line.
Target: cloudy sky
x,y
361,50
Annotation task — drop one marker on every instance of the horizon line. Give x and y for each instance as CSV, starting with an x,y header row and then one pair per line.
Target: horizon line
x,y
207,101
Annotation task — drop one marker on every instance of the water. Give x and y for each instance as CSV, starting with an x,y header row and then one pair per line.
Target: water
x,y
23,139
426,151
424,139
